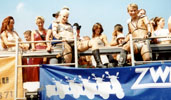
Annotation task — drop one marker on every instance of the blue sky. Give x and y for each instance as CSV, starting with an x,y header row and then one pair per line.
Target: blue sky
x,y
85,12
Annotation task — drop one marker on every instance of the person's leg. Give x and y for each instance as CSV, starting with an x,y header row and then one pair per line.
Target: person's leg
x,y
67,53
146,53
53,61
123,54
85,45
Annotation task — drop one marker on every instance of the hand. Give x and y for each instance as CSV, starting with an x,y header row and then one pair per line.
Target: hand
x,y
49,48
60,38
33,49
123,43
148,35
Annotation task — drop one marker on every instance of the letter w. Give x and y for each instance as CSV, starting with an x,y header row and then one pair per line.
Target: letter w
x,y
159,73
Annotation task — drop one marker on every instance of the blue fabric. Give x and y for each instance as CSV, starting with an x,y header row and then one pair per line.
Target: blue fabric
x,y
144,82
50,26
55,42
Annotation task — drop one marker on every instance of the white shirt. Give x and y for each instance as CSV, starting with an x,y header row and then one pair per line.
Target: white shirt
x,y
161,32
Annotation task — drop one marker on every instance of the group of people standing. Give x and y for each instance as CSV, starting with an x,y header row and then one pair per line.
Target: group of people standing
x,y
138,26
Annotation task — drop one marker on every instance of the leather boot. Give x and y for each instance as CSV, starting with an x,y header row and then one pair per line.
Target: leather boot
x,y
97,58
122,59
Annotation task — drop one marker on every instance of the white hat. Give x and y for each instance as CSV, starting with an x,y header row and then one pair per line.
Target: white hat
x,y
120,36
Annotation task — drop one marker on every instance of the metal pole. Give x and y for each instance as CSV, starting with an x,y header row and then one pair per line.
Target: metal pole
x,y
132,51
75,47
16,70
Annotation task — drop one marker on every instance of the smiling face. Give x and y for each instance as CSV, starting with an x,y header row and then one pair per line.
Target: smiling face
x,y
97,29
40,23
64,14
133,10
161,23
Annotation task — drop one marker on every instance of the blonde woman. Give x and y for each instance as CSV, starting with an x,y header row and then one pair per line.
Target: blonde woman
x,y
38,35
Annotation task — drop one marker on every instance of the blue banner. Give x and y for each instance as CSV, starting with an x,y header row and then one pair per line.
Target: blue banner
x,y
144,82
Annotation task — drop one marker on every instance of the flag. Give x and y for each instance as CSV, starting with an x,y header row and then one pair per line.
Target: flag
x,y
143,82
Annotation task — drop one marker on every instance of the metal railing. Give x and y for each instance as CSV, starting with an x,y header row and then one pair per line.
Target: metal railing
x,y
133,62
61,64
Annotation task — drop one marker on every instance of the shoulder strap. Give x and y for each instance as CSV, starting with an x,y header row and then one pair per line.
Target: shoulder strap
x,y
42,36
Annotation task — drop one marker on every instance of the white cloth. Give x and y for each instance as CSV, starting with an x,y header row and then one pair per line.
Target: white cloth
x,y
31,86
161,32
104,60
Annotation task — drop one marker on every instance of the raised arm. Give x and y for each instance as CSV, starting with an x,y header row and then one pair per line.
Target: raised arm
x,y
55,30
147,23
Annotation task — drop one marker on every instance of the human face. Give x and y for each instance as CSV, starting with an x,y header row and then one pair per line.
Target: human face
x,y
120,40
97,31
161,23
27,37
11,25
40,23
141,13
133,12
64,17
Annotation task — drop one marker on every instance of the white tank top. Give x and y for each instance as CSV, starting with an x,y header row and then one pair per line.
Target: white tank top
x,y
12,38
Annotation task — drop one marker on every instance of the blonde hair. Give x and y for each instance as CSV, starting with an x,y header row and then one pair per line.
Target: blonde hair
x,y
41,18
64,11
65,8
132,5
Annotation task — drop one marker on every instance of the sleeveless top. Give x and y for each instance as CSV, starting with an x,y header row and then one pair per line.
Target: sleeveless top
x,y
99,41
12,38
39,37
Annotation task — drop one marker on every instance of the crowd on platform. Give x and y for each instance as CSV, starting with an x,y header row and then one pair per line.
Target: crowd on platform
x,y
139,26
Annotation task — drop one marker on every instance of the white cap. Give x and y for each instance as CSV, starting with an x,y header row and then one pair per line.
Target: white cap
x,y
120,36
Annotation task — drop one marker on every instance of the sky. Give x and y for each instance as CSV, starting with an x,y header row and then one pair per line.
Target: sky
x,y
84,12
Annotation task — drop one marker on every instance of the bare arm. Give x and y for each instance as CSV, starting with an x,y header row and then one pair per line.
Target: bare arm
x,y
55,30
32,39
128,35
113,42
104,38
49,37
147,23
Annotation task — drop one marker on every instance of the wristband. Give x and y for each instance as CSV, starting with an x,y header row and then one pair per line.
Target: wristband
x,y
60,38
149,34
